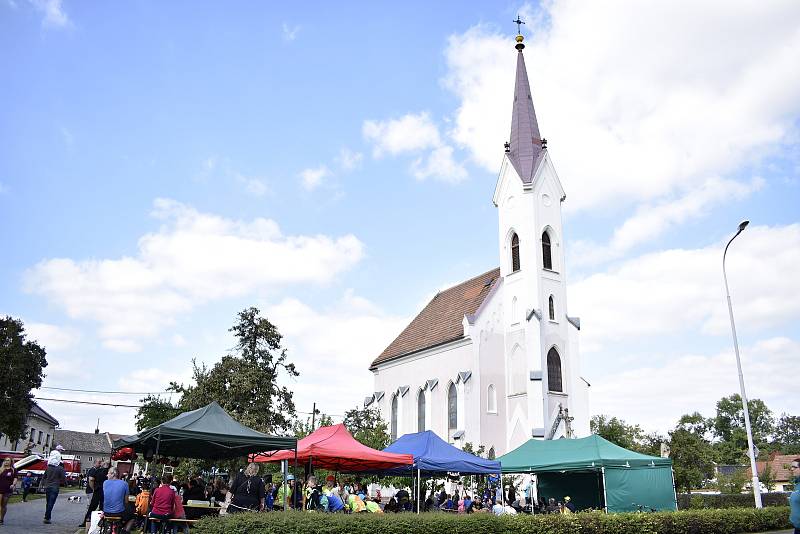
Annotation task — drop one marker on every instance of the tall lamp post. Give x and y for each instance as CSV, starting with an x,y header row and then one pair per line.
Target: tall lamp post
x,y
750,448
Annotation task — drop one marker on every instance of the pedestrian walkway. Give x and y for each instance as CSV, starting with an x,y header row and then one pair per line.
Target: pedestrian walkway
x,y
26,517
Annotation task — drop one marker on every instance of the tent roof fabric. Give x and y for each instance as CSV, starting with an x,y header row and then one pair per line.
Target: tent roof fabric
x,y
207,432
332,447
592,452
433,454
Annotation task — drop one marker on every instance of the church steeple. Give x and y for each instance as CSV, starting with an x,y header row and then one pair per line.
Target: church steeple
x,y
526,144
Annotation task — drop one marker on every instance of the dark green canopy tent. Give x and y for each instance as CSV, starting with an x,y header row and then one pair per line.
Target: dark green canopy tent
x,y
208,433
595,473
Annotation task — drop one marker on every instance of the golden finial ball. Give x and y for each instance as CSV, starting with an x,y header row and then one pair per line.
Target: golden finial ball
x,y
519,38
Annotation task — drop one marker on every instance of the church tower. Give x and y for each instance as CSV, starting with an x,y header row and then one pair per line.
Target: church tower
x,y
545,397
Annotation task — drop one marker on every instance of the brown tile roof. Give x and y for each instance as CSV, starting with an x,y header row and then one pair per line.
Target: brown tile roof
x,y
780,464
441,320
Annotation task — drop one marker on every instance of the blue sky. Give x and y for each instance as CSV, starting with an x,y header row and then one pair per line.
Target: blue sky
x,y
162,166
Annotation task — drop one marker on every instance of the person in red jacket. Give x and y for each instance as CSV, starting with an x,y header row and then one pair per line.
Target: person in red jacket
x,y
163,501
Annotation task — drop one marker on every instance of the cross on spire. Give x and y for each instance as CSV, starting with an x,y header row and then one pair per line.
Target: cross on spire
x,y
519,22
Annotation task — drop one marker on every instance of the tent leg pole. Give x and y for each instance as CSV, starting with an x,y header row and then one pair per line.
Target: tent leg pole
x,y
285,469
419,488
674,489
605,498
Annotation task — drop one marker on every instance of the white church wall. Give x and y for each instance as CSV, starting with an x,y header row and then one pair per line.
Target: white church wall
x,y
579,407
442,365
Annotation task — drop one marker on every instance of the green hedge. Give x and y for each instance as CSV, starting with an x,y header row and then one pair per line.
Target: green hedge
x,y
698,501
689,522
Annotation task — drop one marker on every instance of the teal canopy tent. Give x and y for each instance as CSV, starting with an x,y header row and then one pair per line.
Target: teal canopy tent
x,y
595,473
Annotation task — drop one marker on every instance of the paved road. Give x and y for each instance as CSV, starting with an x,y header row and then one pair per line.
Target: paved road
x,y
26,517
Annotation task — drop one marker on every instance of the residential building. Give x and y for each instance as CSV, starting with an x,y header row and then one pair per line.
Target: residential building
x,y
40,429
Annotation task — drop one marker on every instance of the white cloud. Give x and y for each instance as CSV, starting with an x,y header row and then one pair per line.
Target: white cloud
x,y
349,160
54,15
439,164
193,258
637,100
289,32
178,340
409,133
255,186
52,337
333,348
655,396
681,291
415,133
312,178
651,220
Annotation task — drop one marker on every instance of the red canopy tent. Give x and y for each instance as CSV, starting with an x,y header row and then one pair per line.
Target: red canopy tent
x,y
332,447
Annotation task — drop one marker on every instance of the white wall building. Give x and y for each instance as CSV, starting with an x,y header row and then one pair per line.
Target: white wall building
x,y
40,430
495,360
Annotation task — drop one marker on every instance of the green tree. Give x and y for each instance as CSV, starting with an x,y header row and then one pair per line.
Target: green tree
x,y
154,411
368,427
787,434
302,429
732,483
631,437
247,383
21,370
729,421
767,476
692,455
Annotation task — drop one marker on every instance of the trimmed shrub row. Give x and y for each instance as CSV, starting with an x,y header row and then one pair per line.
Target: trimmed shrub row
x,y
698,501
729,521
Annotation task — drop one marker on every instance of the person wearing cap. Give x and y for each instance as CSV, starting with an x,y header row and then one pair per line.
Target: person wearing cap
x,y
794,497
285,493
569,508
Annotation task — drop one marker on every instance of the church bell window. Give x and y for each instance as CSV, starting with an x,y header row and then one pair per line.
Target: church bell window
x,y
547,258
514,253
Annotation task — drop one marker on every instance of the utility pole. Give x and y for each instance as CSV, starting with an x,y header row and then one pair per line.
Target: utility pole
x,y
313,416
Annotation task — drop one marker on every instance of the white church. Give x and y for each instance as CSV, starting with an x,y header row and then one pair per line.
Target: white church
x,y
494,360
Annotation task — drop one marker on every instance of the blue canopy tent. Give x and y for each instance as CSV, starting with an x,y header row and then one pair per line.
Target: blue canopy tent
x,y
433,455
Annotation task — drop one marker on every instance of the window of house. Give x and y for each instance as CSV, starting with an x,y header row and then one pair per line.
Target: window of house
x,y
554,371
47,440
91,459
452,407
421,411
394,417
514,253
552,307
31,434
39,441
491,399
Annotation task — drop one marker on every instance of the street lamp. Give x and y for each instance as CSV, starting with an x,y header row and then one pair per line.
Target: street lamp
x,y
750,448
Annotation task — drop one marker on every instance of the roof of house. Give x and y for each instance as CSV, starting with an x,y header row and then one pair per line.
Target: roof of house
x,y
72,440
441,320
39,412
780,465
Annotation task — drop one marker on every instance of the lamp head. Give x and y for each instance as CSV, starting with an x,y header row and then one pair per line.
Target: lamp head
x,y
743,225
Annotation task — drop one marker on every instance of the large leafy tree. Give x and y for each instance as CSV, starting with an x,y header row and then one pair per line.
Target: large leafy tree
x,y
691,453
368,427
631,437
787,434
729,421
247,382
154,411
21,369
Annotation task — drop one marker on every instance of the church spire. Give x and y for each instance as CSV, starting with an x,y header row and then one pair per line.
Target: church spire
x,y
526,144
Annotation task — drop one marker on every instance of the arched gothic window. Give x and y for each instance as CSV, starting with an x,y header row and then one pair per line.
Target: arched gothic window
x,y
421,411
394,417
552,306
452,407
514,253
491,399
547,258
554,371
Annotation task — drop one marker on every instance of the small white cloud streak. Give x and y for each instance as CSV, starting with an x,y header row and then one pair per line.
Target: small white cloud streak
x,y
312,178
289,32
54,15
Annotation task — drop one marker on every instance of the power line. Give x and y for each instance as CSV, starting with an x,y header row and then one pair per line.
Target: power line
x,y
90,402
109,392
